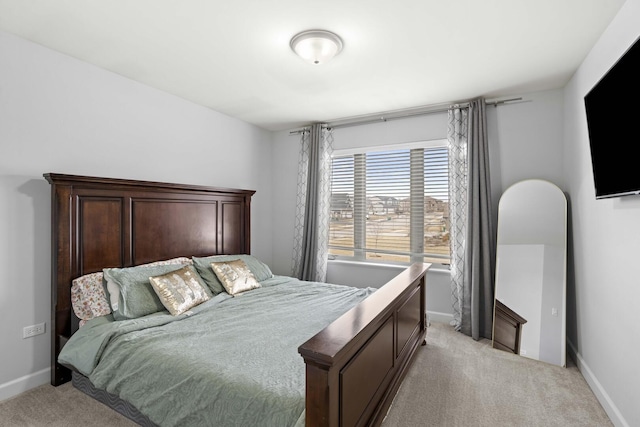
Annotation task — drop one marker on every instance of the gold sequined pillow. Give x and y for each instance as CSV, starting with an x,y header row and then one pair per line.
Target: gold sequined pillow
x,y
180,290
235,276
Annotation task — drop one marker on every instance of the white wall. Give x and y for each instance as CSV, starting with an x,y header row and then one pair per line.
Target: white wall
x,y
604,272
526,139
525,142
61,115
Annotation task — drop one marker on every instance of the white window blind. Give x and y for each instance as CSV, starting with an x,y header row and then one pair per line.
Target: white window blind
x,y
391,205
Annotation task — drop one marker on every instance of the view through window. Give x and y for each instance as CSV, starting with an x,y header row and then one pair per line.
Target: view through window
x,y
391,204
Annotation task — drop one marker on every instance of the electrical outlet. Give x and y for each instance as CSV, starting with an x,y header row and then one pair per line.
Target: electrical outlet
x,y
33,330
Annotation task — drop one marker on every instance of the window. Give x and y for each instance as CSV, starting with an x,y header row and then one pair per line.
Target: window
x,y
391,204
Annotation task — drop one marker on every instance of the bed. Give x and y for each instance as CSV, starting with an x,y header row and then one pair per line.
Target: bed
x,y
340,366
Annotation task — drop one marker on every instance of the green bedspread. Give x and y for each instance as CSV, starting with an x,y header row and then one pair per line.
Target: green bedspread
x,y
231,361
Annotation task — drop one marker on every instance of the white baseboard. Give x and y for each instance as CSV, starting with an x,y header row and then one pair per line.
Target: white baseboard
x,y
22,384
601,394
434,316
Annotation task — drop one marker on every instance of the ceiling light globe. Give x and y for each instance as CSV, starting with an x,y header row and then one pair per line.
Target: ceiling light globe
x,y
316,46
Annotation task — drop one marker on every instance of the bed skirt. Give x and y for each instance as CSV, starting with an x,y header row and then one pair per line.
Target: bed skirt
x,y
123,407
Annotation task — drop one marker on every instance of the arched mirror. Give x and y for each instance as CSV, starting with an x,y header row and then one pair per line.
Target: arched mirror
x,y
530,292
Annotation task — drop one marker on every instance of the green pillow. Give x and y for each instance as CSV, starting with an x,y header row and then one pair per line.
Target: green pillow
x,y
260,270
135,295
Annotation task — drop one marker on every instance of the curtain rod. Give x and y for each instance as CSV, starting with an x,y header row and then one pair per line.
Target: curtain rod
x,y
399,114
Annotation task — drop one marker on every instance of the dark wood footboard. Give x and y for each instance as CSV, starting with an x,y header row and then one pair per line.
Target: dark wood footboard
x,y
356,364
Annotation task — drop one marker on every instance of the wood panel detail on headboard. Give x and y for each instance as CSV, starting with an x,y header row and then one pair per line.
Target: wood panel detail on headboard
x,y
103,222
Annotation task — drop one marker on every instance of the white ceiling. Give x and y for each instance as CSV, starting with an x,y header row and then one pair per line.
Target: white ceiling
x,y
234,56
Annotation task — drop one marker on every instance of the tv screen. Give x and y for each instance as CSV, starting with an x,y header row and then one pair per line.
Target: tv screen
x,y
613,118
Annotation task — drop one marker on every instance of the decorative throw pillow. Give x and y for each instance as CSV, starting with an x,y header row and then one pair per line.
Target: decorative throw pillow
x,y
235,276
88,298
260,270
180,290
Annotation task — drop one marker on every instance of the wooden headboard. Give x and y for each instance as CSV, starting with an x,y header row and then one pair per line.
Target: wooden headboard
x,y
102,222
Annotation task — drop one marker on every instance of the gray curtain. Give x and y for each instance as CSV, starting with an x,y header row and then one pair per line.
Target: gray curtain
x,y
473,275
311,238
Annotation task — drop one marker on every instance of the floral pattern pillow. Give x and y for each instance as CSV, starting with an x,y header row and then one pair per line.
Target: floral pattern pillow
x,y
88,298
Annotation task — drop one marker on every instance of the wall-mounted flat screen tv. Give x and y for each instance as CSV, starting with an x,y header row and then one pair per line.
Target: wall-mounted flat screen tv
x,y
613,118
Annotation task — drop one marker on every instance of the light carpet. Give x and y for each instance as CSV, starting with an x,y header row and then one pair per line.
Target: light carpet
x,y
456,381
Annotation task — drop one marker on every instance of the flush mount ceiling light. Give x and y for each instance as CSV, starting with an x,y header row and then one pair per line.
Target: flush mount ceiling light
x,y
316,46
